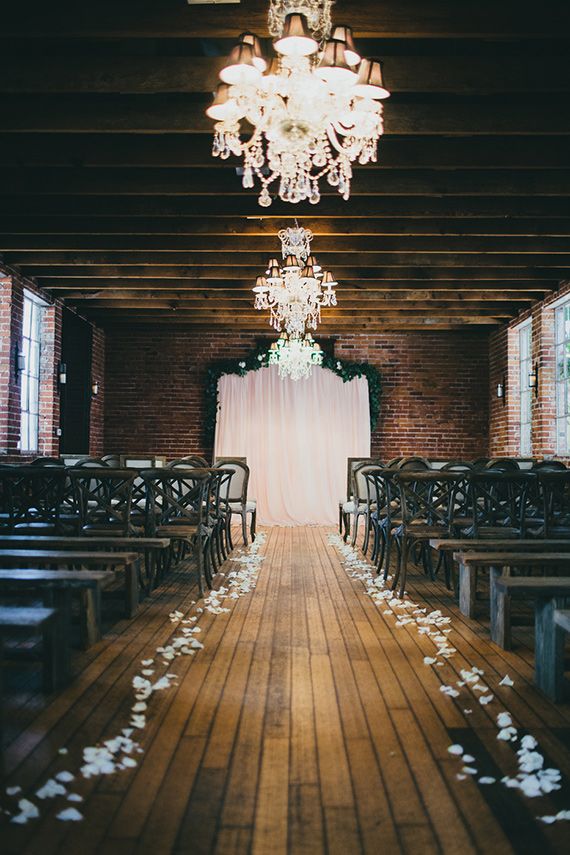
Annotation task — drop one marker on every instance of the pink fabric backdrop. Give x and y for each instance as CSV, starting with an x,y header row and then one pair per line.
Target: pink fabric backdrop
x,y
296,437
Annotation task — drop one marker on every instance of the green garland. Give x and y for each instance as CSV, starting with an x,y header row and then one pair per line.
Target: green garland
x,y
259,359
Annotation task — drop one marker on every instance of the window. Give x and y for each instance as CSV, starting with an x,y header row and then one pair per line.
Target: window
x,y
563,378
525,367
30,374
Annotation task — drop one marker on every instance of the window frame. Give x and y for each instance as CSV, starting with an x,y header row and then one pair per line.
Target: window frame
x,y
30,374
562,380
524,331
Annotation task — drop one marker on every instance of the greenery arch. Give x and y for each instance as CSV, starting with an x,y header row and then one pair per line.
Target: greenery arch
x,y
258,358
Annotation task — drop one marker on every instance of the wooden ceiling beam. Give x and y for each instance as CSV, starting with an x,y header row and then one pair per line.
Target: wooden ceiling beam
x,y
408,115
369,18
237,259
217,182
37,232
155,75
340,313
195,151
61,248
246,205
181,272
95,283
347,297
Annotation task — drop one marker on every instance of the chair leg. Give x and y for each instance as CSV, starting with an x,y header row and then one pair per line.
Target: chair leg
x,y
244,527
253,521
200,563
355,532
346,523
229,532
366,533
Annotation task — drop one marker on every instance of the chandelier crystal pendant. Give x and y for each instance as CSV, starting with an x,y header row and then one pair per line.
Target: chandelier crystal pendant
x,y
295,290
315,108
295,355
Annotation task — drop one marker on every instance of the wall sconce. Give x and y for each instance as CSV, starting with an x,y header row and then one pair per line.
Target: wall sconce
x,y
62,374
533,379
501,390
95,388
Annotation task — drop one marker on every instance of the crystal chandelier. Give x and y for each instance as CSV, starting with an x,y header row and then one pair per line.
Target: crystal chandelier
x,y
295,355
295,290
314,108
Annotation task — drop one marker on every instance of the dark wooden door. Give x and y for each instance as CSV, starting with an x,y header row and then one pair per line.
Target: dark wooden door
x,y
76,347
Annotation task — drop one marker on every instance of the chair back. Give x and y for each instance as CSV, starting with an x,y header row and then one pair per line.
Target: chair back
x,y
90,462
192,462
234,490
360,489
503,464
176,497
31,497
500,499
47,461
555,492
104,499
549,466
457,466
428,498
353,463
413,464
112,460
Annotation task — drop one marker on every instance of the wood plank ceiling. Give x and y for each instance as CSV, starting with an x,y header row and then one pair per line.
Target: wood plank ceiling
x,y
112,202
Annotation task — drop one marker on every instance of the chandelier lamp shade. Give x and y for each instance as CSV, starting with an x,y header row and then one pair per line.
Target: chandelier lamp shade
x,y
295,355
307,114
295,289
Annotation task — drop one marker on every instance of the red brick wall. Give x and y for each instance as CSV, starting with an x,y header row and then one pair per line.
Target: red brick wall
x,y
434,402
504,419
12,287
96,423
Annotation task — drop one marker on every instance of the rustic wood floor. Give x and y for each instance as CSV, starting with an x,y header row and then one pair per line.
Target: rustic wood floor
x,y
308,724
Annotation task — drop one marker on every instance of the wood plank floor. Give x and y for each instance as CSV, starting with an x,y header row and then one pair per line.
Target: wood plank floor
x,y
308,724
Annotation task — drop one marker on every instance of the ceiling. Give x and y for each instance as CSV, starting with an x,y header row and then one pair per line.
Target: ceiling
x,y
112,201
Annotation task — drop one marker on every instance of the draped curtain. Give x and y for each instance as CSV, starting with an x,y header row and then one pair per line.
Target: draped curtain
x,y
296,437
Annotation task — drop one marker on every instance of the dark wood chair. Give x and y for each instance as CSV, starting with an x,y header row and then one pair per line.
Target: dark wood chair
x,y
104,501
427,502
31,498
191,461
177,507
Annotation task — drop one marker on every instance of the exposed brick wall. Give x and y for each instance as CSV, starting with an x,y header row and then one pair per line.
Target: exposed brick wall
x,y
96,423
12,287
504,434
434,402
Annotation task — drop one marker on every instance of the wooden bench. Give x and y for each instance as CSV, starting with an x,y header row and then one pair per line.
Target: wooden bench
x,y
470,562
148,546
498,543
128,561
55,588
549,594
36,620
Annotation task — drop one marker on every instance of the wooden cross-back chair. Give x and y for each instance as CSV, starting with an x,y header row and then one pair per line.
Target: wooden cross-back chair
x,y
34,495
104,500
499,503
177,504
554,488
383,514
427,502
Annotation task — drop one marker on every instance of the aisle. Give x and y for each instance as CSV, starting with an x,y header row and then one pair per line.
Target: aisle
x,y
308,724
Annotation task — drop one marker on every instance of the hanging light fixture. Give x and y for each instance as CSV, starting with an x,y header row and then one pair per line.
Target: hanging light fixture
x,y
315,110
295,355
295,290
